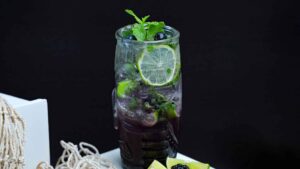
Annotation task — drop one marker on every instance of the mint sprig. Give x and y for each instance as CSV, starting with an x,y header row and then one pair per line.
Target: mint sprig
x,y
141,21
162,105
143,30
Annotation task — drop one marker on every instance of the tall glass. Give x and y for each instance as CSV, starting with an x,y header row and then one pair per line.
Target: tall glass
x,y
147,114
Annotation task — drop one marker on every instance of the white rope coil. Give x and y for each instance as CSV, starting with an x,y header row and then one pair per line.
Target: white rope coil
x,y
86,156
11,137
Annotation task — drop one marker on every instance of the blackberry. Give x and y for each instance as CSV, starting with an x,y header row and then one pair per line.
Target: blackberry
x,y
180,166
160,36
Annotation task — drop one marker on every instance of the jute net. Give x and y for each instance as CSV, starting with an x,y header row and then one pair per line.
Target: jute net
x,y
11,137
84,156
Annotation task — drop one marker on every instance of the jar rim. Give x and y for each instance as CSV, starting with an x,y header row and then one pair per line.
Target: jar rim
x,y
175,36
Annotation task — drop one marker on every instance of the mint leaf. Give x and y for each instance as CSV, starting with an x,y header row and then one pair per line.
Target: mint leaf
x,y
133,103
168,109
153,29
127,32
125,87
130,12
139,32
162,105
143,30
150,48
144,19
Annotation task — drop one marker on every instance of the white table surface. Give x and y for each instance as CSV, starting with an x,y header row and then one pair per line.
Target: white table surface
x,y
114,157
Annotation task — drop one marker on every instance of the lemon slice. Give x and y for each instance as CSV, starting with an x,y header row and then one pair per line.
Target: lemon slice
x,y
173,161
157,66
156,165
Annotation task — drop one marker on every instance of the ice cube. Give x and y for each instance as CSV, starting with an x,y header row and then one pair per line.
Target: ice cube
x,y
127,71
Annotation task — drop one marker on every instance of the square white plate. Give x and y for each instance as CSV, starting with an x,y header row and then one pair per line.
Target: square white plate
x,y
114,157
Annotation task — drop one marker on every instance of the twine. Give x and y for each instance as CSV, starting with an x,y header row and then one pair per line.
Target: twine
x,y
86,156
11,137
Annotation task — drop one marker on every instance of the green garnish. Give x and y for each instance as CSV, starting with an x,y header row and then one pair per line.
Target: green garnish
x,y
163,106
169,108
133,104
125,87
143,30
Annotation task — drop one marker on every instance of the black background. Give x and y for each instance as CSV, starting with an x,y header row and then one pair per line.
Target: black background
x,y
240,73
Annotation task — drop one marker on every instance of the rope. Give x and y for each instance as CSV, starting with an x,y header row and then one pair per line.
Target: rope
x,y
86,156
11,138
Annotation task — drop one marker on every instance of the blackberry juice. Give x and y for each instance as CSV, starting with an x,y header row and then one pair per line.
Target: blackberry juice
x,y
147,97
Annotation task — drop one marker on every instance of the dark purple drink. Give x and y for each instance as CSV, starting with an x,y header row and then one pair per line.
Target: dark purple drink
x,y
147,98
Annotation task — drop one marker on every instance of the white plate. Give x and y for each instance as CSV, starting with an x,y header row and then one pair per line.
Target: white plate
x,y
114,157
